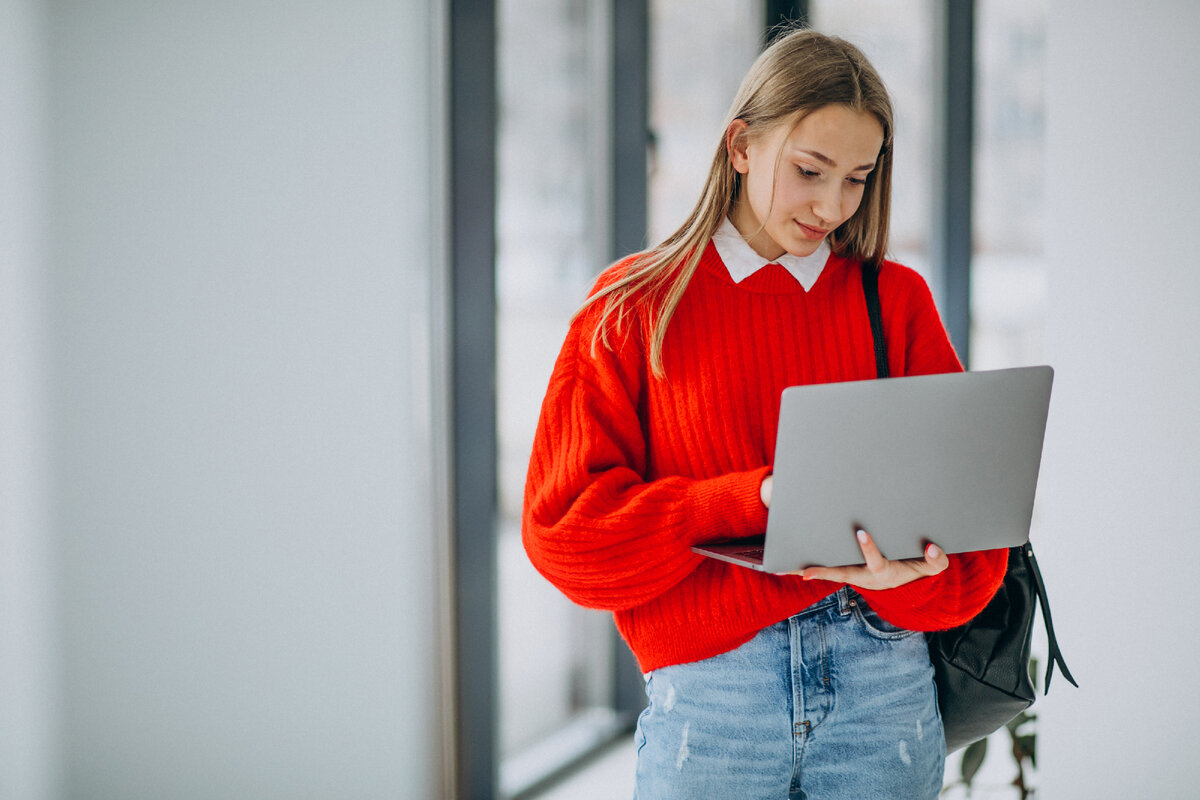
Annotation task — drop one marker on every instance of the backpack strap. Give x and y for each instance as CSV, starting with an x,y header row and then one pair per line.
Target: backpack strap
x,y
870,282
1056,656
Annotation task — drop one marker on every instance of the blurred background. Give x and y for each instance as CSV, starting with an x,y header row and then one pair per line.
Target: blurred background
x,y
281,285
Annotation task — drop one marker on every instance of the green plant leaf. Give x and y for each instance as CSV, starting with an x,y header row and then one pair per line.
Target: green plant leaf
x,y
1029,747
972,760
1019,720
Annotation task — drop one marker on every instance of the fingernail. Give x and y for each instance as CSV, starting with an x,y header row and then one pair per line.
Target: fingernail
x,y
862,535
932,551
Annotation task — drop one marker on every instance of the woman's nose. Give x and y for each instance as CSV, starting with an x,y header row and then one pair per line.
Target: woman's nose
x,y
827,204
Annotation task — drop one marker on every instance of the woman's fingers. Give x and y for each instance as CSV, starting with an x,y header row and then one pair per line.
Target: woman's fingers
x,y
935,560
878,572
875,560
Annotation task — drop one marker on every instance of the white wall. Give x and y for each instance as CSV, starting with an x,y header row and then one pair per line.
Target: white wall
x,y
240,258
1122,473
27,688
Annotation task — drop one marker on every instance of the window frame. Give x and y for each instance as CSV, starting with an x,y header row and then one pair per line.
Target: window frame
x,y
472,248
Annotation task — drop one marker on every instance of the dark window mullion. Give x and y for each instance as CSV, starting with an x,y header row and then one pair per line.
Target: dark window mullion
x,y
472,200
630,136
958,135
785,11
630,124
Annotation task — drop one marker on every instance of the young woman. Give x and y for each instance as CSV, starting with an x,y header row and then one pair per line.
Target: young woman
x,y
657,433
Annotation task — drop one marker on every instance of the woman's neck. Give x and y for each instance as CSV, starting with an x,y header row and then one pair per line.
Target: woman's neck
x,y
752,230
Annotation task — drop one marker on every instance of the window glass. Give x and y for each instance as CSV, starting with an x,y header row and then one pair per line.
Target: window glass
x,y
899,37
554,657
698,54
1008,273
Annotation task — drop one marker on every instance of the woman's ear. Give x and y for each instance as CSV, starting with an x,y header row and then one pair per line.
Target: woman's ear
x,y
735,145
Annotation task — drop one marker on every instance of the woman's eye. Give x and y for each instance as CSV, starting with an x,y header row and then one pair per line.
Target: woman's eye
x,y
807,173
857,181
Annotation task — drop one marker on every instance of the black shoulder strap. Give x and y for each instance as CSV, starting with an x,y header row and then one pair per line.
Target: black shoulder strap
x,y
1056,656
870,281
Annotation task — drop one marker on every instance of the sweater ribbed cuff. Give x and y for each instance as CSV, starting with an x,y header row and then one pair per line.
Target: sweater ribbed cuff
x,y
727,507
946,600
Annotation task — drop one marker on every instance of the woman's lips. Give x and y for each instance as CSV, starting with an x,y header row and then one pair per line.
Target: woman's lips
x,y
812,233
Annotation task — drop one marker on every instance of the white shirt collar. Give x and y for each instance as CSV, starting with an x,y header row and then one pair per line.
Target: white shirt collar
x,y
742,262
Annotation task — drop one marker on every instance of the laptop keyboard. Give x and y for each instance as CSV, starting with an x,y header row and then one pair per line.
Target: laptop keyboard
x,y
750,552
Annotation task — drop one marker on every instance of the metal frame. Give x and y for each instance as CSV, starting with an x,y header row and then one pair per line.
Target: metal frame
x,y
953,245
472,251
630,128
784,11
629,199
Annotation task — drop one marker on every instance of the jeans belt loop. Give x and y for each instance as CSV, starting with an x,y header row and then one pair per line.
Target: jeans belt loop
x,y
847,600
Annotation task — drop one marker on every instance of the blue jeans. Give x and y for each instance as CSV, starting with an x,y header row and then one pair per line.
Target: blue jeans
x,y
831,703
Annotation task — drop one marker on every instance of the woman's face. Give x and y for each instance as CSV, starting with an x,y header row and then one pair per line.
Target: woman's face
x,y
799,183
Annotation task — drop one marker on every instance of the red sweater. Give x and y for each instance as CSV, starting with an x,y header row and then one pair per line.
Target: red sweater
x,y
629,471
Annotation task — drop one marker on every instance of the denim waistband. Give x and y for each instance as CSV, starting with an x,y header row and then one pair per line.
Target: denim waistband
x,y
843,600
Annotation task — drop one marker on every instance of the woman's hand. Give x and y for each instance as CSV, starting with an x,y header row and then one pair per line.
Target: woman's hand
x,y
764,491
878,572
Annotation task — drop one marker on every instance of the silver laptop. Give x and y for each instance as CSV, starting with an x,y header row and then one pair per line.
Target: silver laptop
x,y
950,459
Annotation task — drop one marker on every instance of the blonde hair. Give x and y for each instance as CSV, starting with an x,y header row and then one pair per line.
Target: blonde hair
x,y
800,72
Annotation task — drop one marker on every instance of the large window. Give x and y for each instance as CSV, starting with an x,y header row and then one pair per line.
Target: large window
x,y
555,659
559,689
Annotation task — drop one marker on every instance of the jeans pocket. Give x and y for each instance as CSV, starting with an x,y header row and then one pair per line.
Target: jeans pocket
x,y
876,625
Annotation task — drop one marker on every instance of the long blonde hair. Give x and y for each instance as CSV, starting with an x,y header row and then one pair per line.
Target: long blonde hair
x,y
800,72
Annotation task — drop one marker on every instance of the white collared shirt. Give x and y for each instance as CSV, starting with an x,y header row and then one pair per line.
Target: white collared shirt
x,y
742,262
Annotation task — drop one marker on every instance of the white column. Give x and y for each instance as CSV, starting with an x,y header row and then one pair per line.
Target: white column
x,y
1122,467
244,236
27,665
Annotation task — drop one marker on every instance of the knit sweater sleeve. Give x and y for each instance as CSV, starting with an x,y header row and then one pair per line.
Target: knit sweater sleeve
x,y
919,345
593,524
